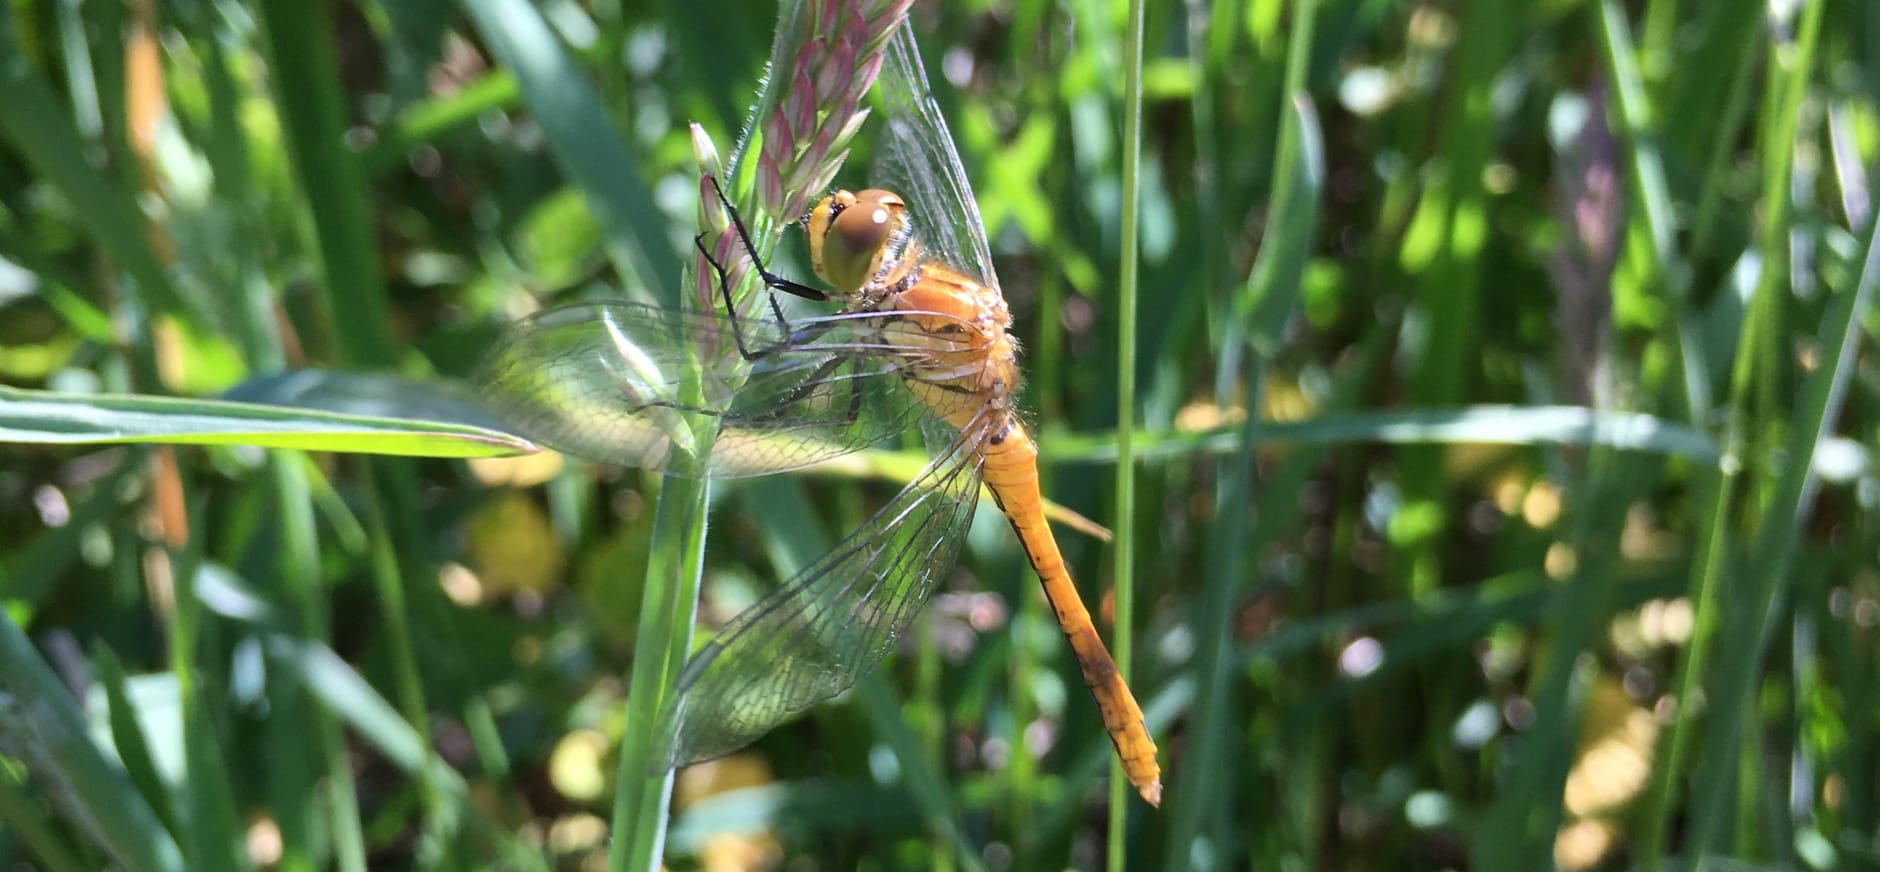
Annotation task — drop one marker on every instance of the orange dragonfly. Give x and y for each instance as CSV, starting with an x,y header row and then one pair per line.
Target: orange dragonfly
x,y
920,341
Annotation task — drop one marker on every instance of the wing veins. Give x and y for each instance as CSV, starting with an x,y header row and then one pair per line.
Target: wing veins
x,y
920,160
853,544
855,642
748,702
909,543
605,381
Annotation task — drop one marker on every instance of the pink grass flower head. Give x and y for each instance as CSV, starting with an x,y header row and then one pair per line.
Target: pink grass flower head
x,y
803,139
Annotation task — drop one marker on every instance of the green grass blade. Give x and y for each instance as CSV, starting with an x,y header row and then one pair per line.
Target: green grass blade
x,y
214,829
1637,122
669,604
30,572
46,418
1443,247
300,764
588,150
309,785
1085,772
45,719
1516,831
1485,425
24,817
421,123
921,779
1398,562
1126,322
1264,306
33,122
390,527
1272,292
128,737
301,53
342,691
376,721
1767,571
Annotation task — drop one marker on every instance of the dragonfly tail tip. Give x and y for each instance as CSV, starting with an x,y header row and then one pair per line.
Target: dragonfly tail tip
x,y
1152,793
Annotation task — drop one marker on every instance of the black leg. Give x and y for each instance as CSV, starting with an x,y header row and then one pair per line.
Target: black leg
x,y
731,311
796,397
809,386
771,280
792,339
792,336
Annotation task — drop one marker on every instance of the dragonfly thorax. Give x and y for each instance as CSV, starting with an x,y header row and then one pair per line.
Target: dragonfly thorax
x,y
971,360
862,244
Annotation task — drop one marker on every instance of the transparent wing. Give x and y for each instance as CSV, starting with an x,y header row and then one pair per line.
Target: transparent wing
x,y
610,382
919,163
810,639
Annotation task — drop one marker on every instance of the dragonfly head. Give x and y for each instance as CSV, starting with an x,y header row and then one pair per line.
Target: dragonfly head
x,y
850,235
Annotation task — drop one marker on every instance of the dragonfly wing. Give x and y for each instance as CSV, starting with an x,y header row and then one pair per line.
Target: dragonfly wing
x,y
920,163
813,637
616,383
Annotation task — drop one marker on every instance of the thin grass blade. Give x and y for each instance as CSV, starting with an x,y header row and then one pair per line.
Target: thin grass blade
x,y
57,419
596,160
44,720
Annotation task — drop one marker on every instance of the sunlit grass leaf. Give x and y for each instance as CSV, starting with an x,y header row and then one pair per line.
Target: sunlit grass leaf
x,y
47,418
1495,425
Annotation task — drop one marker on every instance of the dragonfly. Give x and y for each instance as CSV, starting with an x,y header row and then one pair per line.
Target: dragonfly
x,y
920,342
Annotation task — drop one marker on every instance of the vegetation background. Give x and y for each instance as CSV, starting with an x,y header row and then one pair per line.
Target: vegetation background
x,y
1402,600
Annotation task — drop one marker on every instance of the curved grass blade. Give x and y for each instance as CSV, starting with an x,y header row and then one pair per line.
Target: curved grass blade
x,y
1766,575
1486,424
588,150
41,723
47,418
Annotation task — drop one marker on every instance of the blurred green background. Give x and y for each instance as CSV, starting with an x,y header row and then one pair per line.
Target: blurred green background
x,y
1402,600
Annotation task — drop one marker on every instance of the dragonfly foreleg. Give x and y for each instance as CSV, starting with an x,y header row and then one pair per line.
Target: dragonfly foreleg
x,y
737,322
772,281
731,311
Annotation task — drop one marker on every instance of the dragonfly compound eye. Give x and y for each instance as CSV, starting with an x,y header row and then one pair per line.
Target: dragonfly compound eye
x,y
821,221
855,235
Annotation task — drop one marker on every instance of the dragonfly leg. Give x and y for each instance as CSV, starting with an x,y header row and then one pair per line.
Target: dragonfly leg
x,y
803,392
731,311
796,396
771,280
789,401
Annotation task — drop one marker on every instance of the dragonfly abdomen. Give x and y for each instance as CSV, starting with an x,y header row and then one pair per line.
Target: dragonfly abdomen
x,y
1011,471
